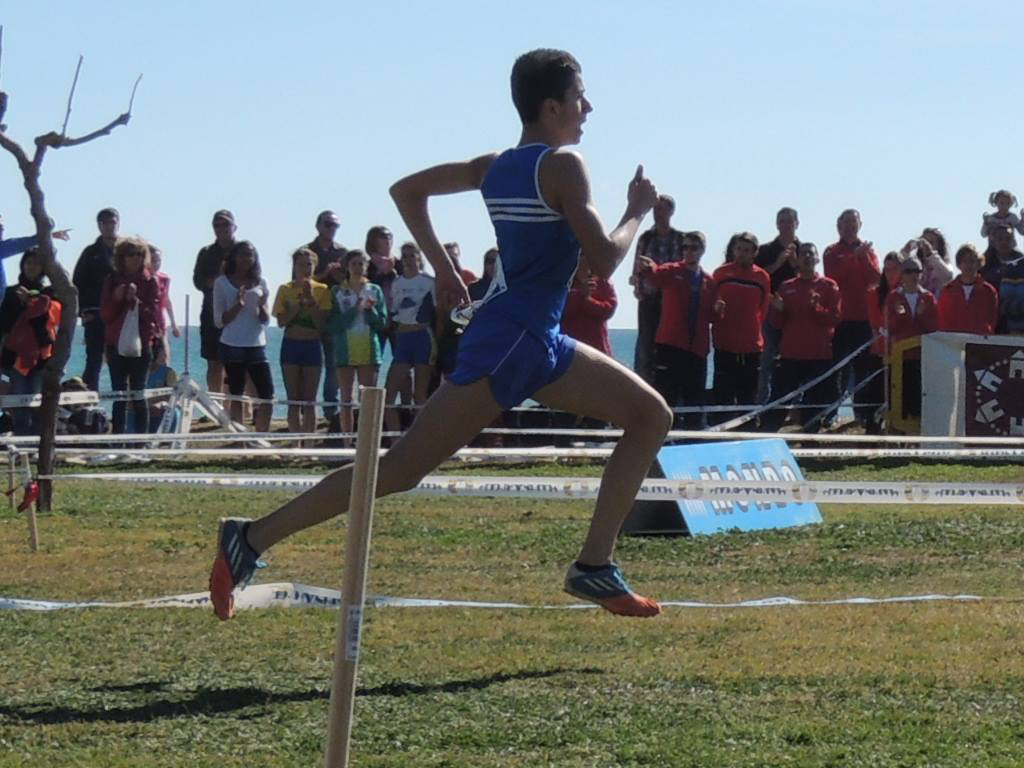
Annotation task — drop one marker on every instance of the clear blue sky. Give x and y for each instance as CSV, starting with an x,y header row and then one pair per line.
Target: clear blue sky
x,y
909,111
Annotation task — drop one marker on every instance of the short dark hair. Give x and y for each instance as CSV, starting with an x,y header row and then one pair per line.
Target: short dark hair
x,y
231,262
966,250
107,213
323,215
544,73
848,212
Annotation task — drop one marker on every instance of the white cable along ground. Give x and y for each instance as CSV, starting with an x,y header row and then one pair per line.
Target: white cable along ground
x,y
567,488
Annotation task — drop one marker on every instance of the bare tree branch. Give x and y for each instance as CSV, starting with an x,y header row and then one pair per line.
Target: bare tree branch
x,y
56,140
14,148
71,95
131,101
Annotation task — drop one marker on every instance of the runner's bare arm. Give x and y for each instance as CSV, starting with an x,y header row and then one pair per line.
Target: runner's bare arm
x,y
411,196
565,185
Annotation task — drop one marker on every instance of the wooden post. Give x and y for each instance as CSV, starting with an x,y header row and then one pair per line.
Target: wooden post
x,y
353,586
30,511
12,469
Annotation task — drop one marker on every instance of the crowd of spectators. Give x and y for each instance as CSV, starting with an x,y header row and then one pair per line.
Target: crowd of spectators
x,y
776,327
775,318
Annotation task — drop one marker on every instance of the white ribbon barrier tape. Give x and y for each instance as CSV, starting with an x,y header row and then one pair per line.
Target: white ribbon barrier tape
x,y
748,491
291,595
523,454
83,398
602,435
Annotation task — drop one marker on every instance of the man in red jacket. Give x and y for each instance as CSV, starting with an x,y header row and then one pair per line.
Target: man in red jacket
x,y
806,309
969,303
740,305
853,264
684,331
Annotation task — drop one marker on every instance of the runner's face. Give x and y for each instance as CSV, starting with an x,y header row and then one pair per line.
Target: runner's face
x,y
573,111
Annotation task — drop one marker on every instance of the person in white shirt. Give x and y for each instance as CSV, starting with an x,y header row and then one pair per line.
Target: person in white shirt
x,y
411,311
240,310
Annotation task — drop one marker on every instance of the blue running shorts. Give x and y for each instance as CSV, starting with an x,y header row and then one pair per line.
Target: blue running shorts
x,y
516,362
413,347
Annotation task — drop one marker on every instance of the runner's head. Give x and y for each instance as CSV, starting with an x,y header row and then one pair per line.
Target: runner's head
x,y
547,90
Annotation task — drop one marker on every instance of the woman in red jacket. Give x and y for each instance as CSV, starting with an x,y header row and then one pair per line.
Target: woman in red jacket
x,y
682,341
130,286
969,304
892,273
588,308
911,311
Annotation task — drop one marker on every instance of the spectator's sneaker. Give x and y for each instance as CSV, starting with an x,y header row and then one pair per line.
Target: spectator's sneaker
x,y
233,567
608,589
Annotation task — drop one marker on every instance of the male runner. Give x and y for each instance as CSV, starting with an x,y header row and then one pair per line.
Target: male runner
x,y
538,197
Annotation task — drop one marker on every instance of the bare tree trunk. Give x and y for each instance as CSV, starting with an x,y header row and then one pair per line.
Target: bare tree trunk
x,y
63,289
64,292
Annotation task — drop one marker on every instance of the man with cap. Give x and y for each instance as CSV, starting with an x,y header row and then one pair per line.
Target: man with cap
x,y
209,266
95,263
329,253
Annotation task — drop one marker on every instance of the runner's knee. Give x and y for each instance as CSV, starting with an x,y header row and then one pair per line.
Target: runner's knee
x,y
398,476
651,416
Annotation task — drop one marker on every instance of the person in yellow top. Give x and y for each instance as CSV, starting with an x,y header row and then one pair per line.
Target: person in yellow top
x,y
301,308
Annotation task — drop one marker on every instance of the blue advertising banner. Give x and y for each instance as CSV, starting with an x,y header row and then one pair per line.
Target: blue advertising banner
x,y
766,460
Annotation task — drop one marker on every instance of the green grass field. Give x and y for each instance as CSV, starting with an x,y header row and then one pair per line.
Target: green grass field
x,y
926,684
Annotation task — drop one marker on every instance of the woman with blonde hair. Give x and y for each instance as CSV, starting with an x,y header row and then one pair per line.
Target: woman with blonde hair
x,y
301,308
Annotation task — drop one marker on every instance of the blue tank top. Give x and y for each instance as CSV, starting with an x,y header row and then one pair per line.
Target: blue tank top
x,y
538,253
